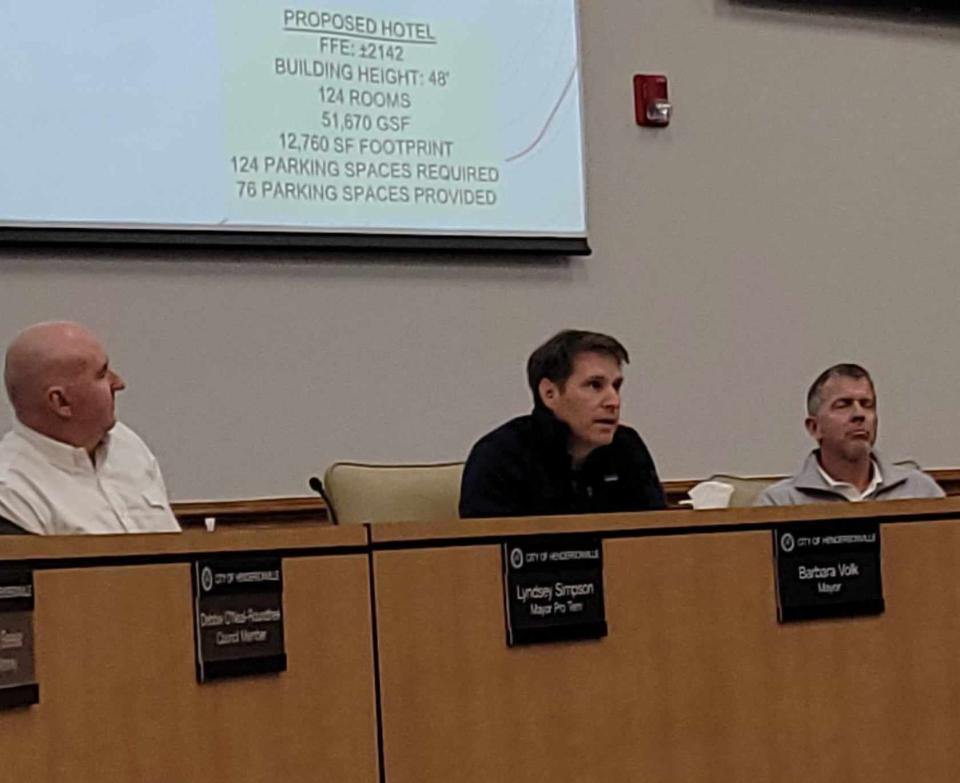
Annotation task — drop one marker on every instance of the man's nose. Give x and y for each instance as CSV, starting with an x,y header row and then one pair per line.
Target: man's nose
x,y
612,399
118,383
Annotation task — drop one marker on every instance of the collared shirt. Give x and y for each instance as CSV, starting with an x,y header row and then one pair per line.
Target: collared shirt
x,y
53,488
849,491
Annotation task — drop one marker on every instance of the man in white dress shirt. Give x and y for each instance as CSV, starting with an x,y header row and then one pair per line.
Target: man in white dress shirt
x,y
68,466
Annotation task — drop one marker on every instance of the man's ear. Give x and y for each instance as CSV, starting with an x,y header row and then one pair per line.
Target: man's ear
x,y
812,429
549,391
57,402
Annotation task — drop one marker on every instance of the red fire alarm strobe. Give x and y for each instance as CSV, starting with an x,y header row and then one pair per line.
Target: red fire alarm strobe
x,y
650,100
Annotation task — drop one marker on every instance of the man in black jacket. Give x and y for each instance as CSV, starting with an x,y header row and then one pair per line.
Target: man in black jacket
x,y
571,455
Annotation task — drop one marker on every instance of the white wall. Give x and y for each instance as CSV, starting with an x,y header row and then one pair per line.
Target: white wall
x,y
800,210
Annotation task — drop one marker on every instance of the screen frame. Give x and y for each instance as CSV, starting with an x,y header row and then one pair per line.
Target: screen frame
x,y
316,240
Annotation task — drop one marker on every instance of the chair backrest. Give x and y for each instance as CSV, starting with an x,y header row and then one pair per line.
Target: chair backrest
x,y
745,489
368,492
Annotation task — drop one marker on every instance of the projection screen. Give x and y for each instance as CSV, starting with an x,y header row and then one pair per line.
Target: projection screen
x,y
420,123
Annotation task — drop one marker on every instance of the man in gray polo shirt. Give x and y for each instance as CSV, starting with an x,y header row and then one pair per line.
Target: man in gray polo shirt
x,y
842,419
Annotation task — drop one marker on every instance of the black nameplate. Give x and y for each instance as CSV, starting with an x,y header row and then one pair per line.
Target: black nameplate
x,y
238,617
553,589
828,569
16,589
18,687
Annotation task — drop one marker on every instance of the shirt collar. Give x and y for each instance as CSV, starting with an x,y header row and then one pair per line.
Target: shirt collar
x,y
552,433
59,454
848,490
552,439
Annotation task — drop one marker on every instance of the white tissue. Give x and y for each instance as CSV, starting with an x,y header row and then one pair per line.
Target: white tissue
x,y
711,494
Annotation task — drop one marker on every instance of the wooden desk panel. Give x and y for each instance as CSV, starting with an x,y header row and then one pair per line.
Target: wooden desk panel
x,y
696,681
119,699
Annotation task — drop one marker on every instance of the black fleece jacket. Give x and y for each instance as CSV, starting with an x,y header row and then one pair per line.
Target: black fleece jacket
x,y
523,469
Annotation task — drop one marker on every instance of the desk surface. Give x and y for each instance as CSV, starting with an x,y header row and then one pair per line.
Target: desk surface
x,y
673,522
300,537
696,680
114,653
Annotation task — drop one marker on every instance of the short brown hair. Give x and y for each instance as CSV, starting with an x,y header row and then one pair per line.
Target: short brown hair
x,y
554,359
844,370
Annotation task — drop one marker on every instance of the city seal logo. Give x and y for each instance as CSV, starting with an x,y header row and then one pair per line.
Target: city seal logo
x,y
787,543
206,579
516,558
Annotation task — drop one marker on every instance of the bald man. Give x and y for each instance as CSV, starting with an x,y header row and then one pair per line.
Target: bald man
x,y
68,466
